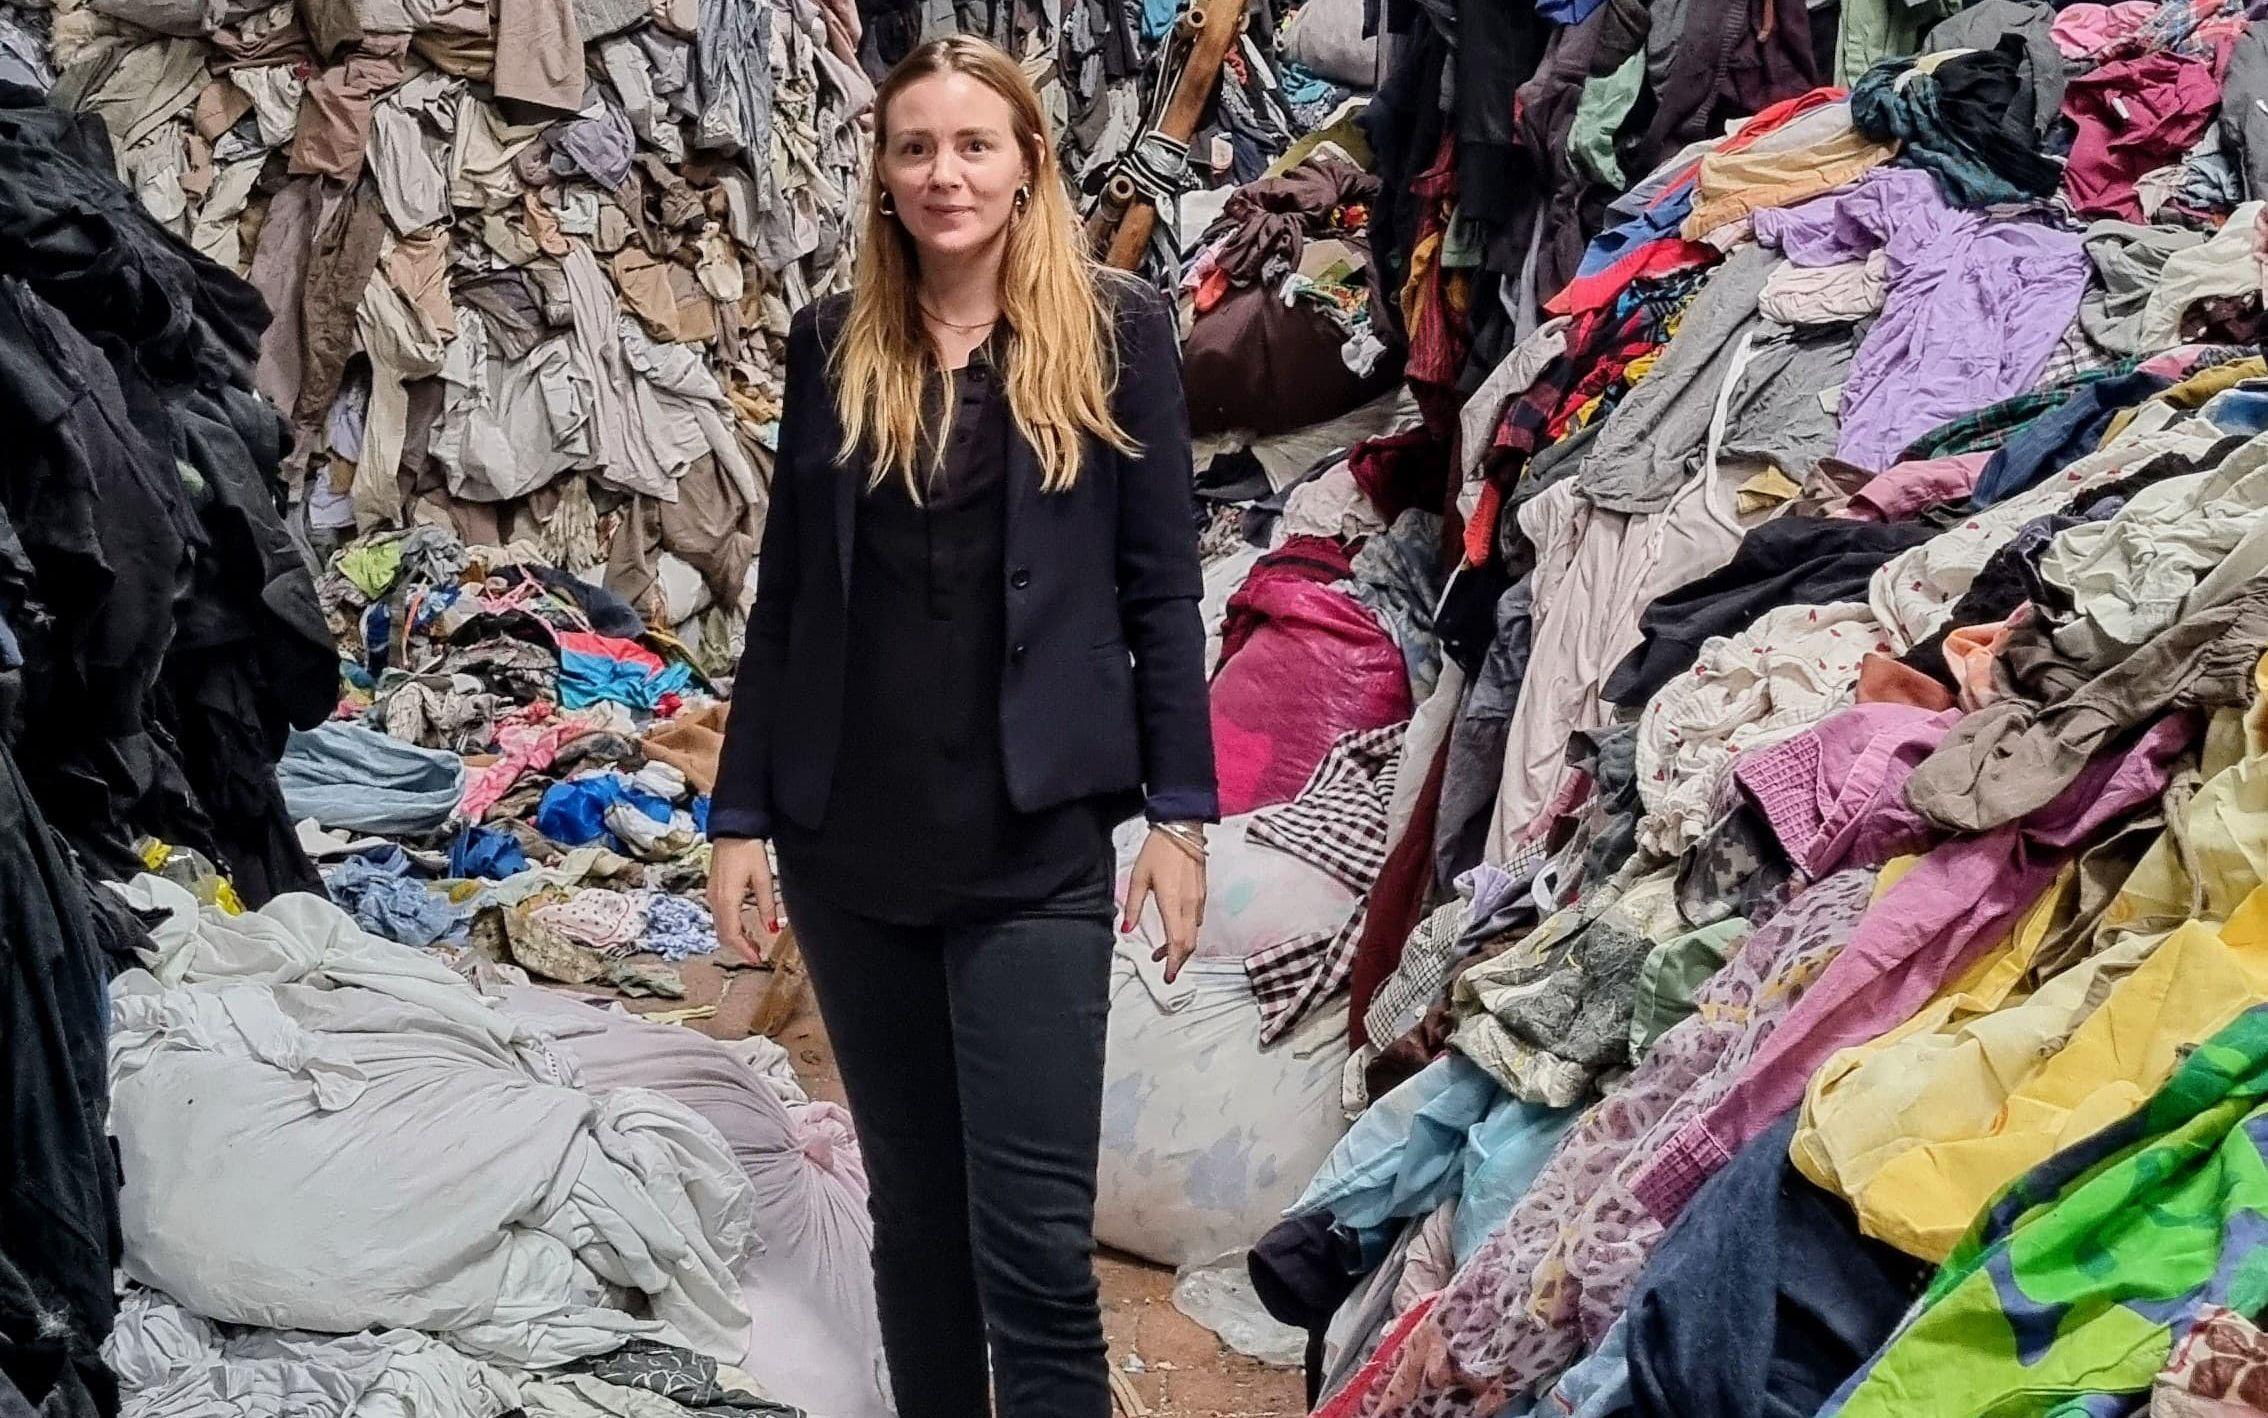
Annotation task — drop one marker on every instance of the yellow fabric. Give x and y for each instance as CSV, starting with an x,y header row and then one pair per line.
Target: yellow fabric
x,y
1921,1127
1740,184
1928,1079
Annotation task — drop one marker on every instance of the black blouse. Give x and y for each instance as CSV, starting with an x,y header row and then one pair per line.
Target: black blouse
x,y
918,826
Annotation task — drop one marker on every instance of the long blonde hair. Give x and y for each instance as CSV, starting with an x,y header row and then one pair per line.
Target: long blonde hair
x,y
1061,365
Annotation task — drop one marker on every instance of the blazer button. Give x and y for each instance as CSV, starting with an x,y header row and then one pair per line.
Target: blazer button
x,y
1020,578
1016,655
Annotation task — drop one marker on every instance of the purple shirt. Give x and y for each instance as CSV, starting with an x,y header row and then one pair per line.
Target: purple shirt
x,y
1975,308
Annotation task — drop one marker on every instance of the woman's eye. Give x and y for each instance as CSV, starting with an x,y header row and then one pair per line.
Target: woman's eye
x,y
979,145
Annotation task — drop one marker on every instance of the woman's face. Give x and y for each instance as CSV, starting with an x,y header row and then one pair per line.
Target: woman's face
x,y
952,164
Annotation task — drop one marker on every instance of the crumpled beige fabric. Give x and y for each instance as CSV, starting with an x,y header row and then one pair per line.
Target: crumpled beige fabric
x,y
1783,674
2132,576
1826,295
481,155
1913,593
401,347
135,89
411,132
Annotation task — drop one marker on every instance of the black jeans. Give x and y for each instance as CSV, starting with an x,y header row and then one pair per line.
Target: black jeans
x,y
973,1056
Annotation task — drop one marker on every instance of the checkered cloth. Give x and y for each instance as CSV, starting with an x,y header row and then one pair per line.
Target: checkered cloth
x,y
1338,824
1291,980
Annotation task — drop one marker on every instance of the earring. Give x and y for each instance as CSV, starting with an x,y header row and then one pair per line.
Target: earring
x,y
1023,198
889,205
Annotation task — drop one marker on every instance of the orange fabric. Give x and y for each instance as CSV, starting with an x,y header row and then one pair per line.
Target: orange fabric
x,y
1882,679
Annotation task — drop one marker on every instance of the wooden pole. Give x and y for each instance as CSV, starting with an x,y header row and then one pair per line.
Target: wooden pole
x,y
1211,27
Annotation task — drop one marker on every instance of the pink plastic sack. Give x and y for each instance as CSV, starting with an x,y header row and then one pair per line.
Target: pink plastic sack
x,y
1316,665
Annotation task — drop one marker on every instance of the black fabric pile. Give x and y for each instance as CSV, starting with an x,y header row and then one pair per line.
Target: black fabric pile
x,y
1969,123
168,625
159,638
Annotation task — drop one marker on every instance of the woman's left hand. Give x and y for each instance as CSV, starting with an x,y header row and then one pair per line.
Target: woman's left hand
x,y
1176,881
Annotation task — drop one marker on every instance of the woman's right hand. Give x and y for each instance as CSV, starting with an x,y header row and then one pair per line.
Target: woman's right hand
x,y
740,870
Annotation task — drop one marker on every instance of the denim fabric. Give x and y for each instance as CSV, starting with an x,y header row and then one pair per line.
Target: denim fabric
x,y
344,775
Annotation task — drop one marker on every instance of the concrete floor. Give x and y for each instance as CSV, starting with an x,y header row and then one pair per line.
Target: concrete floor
x,y
1176,1367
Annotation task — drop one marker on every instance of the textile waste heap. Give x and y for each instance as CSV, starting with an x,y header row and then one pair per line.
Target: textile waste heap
x,y
297,847
1757,749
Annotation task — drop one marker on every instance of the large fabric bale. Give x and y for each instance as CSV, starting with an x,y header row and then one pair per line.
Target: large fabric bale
x,y
1207,1136
814,1340
323,1130
1317,666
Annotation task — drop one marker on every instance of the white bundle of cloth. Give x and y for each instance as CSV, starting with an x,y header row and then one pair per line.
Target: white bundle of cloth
x,y
323,1130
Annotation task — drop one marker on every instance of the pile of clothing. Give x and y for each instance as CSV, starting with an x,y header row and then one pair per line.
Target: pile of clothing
x,y
529,266
1800,944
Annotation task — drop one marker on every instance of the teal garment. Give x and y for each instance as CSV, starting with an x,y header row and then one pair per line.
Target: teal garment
x,y
1503,1156
1599,110
1448,1133
1673,973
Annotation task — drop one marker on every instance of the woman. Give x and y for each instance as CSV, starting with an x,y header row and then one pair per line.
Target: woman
x,y
975,648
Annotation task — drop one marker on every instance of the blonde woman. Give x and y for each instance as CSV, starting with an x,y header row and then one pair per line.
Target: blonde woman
x,y
975,648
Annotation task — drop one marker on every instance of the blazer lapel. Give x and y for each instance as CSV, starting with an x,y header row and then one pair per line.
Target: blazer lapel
x,y
1023,486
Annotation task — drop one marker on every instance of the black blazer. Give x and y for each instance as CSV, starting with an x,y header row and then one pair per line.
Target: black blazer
x,y
1103,691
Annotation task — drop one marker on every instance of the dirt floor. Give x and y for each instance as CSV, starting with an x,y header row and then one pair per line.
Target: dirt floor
x,y
1171,1367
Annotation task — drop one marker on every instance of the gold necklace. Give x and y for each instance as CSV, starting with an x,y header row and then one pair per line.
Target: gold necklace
x,y
957,325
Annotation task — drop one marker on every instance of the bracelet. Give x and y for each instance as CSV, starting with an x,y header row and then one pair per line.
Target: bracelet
x,y
1188,836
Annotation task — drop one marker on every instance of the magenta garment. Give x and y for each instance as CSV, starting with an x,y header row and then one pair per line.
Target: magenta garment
x,y
1835,794
1963,896
1908,489
2134,117
1976,307
1317,667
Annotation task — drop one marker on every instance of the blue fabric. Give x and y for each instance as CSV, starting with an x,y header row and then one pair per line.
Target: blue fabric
x,y
2243,409
344,775
1567,12
1656,222
700,814
1303,85
489,853
377,635
1598,1387
677,927
1157,18
1448,1132
586,679
2061,436
1503,1154
573,813
385,897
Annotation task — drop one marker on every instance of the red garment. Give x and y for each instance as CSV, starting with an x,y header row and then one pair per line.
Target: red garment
x,y
1355,1397
629,652
1400,471
1480,532
2133,117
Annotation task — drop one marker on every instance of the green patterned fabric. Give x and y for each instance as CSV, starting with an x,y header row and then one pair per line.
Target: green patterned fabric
x,y
2069,1294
